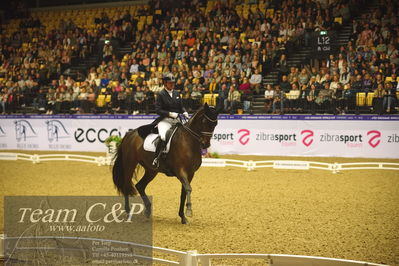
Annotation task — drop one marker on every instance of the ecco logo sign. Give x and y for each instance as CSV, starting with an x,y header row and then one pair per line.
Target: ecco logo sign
x,y
92,135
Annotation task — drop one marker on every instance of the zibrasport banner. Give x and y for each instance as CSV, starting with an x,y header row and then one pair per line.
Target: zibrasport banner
x,y
376,139
337,136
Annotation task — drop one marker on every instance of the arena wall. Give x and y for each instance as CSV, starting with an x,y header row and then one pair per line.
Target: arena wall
x,y
288,135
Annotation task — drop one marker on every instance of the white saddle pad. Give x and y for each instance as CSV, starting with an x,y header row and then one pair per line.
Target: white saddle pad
x,y
149,144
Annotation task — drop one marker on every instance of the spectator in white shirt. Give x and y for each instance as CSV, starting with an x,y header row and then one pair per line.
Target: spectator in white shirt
x,y
269,95
345,76
134,68
256,80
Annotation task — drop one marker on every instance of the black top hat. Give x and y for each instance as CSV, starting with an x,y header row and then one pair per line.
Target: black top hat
x,y
168,78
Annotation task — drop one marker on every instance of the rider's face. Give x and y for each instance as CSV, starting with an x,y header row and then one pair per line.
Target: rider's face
x,y
170,85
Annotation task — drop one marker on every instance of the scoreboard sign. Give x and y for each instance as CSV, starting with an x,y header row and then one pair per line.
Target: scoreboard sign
x,y
322,44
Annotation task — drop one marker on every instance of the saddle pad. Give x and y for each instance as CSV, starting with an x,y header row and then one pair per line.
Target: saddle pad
x,y
149,142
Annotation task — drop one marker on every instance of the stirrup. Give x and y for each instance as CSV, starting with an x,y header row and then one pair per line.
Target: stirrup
x,y
155,162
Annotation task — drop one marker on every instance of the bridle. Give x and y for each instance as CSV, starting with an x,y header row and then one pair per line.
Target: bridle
x,y
202,134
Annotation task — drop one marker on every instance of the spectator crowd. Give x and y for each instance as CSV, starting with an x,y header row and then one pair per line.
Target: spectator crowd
x,y
362,74
225,48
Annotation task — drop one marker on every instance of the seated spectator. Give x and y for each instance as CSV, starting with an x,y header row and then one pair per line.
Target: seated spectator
x,y
3,100
179,85
256,80
278,100
221,100
82,99
50,97
246,93
107,51
393,54
40,101
155,88
378,99
75,99
349,98
269,96
104,80
66,100
389,100
285,85
394,81
134,67
334,83
292,75
367,83
357,85
59,97
149,101
186,98
139,101
292,98
338,101
311,97
91,99
302,99
212,87
196,97
282,66
324,97
233,100
303,77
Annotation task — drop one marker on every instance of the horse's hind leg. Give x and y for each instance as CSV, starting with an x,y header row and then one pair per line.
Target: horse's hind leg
x,y
128,173
127,205
181,208
141,185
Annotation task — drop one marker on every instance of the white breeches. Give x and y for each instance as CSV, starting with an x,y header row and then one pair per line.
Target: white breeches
x,y
164,126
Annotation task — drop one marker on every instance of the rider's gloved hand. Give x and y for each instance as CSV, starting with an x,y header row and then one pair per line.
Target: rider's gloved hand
x,y
186,115
173,114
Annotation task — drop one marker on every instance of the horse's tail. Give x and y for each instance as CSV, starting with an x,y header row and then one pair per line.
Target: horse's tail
x,y
123,179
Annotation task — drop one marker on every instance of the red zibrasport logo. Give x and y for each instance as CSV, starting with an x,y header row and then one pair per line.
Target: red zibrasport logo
x,y
307,135
244,137
374,139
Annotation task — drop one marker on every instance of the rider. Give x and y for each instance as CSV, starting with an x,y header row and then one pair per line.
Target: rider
x,y
168,105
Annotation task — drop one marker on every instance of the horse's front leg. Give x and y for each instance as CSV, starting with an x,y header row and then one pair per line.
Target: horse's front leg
x,y
189,211
185,197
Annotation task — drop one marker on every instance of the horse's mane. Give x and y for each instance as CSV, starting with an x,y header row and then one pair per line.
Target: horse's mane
x,y
212,114
197,113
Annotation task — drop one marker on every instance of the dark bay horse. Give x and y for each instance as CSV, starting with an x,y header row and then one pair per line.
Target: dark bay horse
x,y
183,159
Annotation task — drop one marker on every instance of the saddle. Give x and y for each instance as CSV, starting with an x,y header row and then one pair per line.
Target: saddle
x,y
151,139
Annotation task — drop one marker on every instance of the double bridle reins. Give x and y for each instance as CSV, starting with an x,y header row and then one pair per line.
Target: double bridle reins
x,y
202,133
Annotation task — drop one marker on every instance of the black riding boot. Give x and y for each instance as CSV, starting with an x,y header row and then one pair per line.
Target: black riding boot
x,y
160,147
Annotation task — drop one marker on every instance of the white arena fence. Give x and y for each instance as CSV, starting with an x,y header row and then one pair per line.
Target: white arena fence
x,y
214,162
193,258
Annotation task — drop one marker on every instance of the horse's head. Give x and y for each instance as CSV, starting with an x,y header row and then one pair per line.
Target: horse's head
x,y
205,121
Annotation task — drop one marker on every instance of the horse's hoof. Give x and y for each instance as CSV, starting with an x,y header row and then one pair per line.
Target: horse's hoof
x,y
184,220
189,213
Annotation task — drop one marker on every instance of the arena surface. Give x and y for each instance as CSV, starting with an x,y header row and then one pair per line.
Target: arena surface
x,y
350,215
